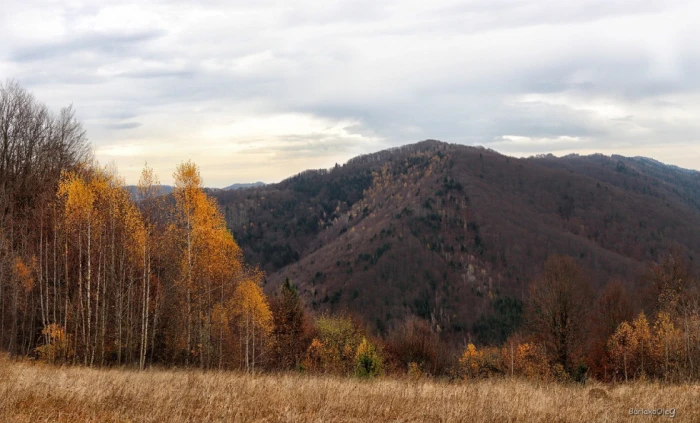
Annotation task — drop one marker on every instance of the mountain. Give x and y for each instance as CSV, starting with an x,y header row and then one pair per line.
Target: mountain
x,y
453,234
133,191
168,189
244,185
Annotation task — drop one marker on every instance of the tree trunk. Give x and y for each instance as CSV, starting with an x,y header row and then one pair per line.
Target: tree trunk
x,y
247,339
89,293
144,335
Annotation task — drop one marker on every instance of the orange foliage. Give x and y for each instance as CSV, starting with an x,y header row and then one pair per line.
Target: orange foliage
x,y
24,274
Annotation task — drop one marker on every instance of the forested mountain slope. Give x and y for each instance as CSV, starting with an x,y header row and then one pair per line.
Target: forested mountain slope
x,y
452,234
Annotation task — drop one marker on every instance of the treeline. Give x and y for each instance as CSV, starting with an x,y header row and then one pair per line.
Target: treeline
x,y
88,276
571,334
97,279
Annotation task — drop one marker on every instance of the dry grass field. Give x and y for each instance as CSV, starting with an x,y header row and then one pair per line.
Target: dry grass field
x,y
32,392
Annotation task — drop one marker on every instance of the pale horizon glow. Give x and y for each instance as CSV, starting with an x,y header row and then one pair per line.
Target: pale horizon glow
x,y
261,90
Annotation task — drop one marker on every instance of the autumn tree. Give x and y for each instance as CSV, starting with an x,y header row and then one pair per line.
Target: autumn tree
x,y
673,293
667,346
644,351
471,362
416,344
103,238
188,193
289,327
368,360
668,283
611,308
481,362
558,307
522,357
58,346
210,265
622,347
334,348
150,194
254,322
82,219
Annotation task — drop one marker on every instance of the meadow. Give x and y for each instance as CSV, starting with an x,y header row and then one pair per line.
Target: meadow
x,y
34,392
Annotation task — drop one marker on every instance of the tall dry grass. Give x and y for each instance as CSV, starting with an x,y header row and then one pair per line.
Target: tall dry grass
x,y
33,392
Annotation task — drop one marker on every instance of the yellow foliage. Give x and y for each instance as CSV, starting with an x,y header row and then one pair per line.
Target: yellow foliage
x,y
667,343
314,356
254,318
368,362
336,346
187,176
637,351
471,361
77,196
622,347
250,302
476,363
644,351
58,346
526,359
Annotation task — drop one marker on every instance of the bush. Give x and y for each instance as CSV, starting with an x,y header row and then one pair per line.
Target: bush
x,y
581,373
335,346
414,371
416,342
526,359
476,363
368,362
58,346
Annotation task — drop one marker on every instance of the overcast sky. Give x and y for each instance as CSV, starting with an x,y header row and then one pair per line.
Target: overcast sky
x,y
259,90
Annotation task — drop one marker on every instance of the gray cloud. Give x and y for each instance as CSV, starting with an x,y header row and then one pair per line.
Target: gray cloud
x,y
122,126
241,87
95,43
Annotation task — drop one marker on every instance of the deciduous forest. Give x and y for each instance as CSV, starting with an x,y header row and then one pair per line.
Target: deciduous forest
x,y
92,274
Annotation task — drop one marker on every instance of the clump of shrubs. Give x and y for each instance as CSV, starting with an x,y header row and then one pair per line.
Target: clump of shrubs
x,y
368,362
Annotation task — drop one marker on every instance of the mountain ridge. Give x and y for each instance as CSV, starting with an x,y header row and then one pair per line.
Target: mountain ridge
x,y
441,231
244,185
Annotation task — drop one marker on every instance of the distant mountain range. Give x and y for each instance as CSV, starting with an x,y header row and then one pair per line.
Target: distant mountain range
x,y
450,233
133,190
168,189
245,185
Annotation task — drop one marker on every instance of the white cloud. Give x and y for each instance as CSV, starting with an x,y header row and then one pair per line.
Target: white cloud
x,y
262,90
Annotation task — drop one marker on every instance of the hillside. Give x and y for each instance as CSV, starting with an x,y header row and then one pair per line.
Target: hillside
x,y
452,234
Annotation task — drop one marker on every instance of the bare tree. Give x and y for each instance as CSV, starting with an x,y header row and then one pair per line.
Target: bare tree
x,y
35,147
558,309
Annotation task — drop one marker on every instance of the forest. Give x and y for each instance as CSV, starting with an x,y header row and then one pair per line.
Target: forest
x,y
92,275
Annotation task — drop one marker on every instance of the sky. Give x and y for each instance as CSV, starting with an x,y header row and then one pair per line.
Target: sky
x,y
261,90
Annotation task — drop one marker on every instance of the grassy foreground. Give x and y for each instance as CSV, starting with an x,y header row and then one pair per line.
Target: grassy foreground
x,y
32,392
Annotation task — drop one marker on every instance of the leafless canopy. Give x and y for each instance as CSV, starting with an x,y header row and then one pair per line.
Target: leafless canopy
x,y
35,145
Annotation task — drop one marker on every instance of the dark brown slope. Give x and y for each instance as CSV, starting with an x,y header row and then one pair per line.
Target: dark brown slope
x,y
442,231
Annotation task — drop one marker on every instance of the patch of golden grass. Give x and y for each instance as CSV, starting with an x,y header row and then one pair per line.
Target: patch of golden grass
x,y
31,392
